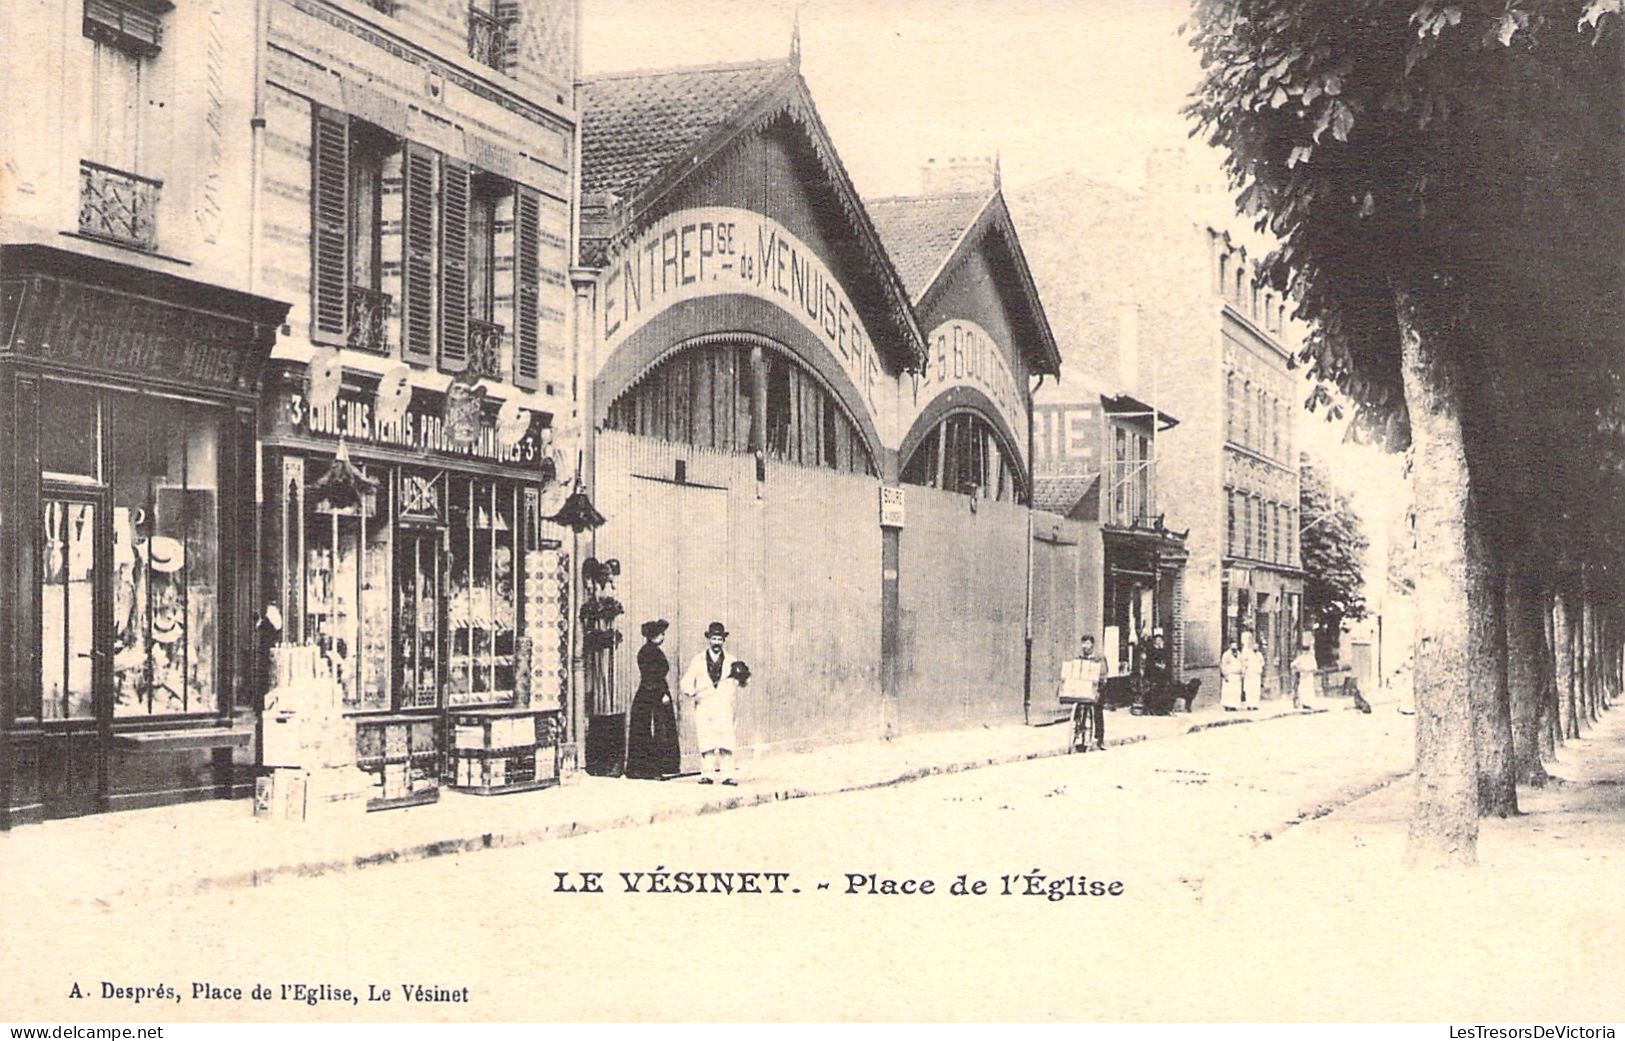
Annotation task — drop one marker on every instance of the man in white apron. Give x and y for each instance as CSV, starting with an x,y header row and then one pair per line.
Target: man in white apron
x,y
708,690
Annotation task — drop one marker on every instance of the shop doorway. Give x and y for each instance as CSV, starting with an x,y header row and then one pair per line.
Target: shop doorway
x,y
75,630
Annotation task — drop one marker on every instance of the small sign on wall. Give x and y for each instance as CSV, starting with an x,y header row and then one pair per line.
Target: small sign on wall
x,y
892,513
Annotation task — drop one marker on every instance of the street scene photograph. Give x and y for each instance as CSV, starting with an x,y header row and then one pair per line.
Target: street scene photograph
x,y
812,511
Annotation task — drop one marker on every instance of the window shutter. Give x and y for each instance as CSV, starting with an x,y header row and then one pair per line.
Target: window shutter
x,y
526,277
507,12
417,281
454,189
330,214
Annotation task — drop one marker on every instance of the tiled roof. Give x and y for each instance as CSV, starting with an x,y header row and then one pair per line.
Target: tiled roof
x,y
1060,494
634,124
920,232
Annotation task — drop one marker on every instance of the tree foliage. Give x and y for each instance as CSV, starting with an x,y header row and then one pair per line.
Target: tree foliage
x,y
1332,547
1465,153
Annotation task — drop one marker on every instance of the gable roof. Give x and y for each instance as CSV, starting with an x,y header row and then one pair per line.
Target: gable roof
x,y
929,235
646,133
921,231
633,124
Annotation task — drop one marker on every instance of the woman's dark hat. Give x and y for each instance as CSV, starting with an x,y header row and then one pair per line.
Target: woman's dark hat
x,y
655,628
716,629
740,672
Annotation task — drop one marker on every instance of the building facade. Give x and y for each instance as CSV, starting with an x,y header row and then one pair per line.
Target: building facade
x,y
416,194
1155,304
288,311
789,426
134,348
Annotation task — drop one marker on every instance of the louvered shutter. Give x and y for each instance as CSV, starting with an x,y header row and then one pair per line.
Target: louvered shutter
x,y
507,13
330,213
417,278
454,189
526,277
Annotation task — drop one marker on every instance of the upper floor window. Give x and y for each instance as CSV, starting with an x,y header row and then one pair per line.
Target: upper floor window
x,y
133,26
407,246
118,196
492,32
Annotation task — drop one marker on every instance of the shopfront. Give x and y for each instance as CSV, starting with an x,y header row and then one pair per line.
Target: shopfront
x,y
416,559
127,535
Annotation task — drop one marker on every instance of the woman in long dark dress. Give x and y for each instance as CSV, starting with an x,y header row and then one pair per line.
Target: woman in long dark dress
x,y
651,744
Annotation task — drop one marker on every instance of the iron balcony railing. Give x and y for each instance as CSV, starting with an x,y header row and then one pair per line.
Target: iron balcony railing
x,y
118,206
487,39
369,320
485,349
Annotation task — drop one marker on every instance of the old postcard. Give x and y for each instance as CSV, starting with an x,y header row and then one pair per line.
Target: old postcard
x,y
811,510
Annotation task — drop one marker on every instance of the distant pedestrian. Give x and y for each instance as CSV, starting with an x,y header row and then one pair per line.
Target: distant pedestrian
x,y
651,742
1252,672
1159,676
1306,668
708,687
1081,679
1230,676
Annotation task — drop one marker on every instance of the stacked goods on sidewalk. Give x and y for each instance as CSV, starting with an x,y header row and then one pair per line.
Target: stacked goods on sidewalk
x,y
308,746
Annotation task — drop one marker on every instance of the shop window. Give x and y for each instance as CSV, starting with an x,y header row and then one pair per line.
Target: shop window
x,y
67,609
345,574
165,499
481,594
70,428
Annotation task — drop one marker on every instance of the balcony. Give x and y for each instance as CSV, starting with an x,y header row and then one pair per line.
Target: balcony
x,y
487,39
368,321
117,206
484,349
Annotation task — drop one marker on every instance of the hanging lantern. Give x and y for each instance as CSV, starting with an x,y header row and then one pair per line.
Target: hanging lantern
x,y
344,488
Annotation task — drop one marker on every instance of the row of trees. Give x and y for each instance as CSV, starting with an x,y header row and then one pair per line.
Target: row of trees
x,y
1445,182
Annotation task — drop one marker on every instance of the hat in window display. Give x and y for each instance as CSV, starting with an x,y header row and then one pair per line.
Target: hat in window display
x,y
164,554
167,629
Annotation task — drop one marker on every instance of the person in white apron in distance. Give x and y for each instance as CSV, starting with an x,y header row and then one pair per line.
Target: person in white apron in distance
x,y
1305,667
708,687
1252,672
1230,676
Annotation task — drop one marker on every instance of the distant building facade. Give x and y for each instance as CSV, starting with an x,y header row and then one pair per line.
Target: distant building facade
x,y
1151,303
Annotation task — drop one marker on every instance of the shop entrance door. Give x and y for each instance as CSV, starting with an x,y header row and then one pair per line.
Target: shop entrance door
x,y
418,647
75,635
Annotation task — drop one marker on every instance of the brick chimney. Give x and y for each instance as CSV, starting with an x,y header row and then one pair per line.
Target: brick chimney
x,y
960,174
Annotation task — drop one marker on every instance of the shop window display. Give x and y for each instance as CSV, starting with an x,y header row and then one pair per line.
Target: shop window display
x,y
165,559
482,609
66,613
347,583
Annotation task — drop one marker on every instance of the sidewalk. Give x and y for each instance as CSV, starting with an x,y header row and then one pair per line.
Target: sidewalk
x,y
1348,932
177,850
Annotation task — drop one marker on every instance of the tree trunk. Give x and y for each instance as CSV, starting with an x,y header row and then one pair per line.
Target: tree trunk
x,y
1588,637
1444,818
1551,731
1487,668
1563,642
1526,668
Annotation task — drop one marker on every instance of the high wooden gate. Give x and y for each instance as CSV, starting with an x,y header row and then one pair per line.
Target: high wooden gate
x,y
791,564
